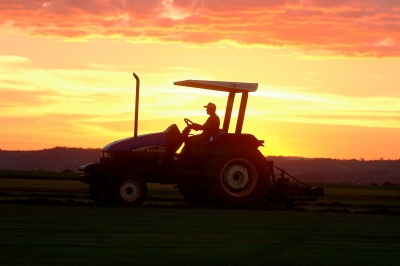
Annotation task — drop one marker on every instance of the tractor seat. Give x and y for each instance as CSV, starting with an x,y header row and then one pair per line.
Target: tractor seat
x,y
216,135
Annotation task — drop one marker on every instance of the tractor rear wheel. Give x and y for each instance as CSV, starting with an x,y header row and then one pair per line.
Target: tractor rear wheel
x,y
130,189
100,192
238,179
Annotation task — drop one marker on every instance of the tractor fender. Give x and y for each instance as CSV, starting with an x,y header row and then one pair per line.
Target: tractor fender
x,y
238,139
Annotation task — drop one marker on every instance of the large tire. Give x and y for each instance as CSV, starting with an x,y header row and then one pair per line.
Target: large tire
x,y
100,192
130,189
197,196
238,178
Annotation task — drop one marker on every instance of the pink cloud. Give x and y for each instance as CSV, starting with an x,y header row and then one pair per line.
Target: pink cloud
x,y
351,27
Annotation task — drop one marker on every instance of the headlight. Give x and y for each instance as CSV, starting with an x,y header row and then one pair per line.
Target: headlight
x,y
106,154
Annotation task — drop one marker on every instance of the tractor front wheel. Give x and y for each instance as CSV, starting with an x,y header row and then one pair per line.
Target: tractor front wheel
x,y
130,189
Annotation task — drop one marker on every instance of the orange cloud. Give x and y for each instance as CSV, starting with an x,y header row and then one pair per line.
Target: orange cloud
x,y
351,28
26,98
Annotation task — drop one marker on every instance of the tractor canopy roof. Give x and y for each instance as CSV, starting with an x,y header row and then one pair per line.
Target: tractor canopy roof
x,y
232,87
235,87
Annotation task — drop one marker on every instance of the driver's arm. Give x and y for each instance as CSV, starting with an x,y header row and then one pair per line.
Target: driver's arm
x,y
196,126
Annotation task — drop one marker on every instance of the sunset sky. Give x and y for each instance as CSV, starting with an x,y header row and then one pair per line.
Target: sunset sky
x,y
328,71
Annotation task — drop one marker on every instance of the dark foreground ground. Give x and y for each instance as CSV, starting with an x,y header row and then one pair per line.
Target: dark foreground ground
x,y
116,235
54,222
109,235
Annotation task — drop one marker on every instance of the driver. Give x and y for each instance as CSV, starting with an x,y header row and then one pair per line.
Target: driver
x,y
211,126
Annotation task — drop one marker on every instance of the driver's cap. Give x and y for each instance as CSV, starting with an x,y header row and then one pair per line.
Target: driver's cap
x,y
211,106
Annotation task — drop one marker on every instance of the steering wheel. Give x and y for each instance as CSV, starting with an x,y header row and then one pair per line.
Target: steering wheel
x,y
188,122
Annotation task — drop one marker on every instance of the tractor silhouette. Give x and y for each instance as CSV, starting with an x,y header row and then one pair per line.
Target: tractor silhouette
x,y
225,170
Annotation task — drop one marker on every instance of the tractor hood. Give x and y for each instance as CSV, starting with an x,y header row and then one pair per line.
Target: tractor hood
x,y
171,137
131,143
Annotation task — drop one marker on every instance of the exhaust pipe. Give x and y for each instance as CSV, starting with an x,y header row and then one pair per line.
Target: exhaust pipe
x,y
136,104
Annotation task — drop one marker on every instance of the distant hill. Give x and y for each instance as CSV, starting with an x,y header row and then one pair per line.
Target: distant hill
x,y
307,170
55,159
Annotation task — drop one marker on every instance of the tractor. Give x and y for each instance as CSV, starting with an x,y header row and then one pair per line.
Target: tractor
x,y
225,170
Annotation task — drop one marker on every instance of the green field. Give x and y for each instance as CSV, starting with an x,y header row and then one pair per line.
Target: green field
x,y
53,222
349,196
55,235
16,174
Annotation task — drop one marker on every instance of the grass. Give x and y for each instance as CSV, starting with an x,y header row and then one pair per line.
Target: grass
x,y
360,197
48,235
44,175
114,235
43,184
